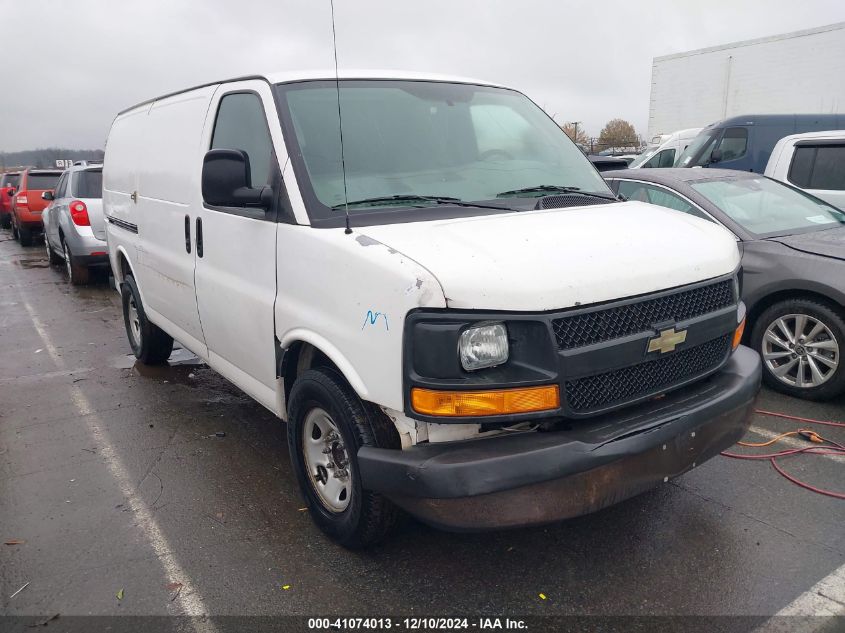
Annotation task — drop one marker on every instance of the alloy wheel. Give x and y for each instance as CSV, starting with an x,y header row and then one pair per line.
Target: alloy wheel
x,y
326,460
134,322
800,350
68,265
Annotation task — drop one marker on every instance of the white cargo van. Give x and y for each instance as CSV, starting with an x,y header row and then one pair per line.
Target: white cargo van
x,y
667,153
812,161
429,281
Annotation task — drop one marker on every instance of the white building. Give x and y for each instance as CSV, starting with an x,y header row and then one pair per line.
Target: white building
x,y
800,72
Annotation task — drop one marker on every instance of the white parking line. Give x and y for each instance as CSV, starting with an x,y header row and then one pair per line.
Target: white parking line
x,y
188,601
806,614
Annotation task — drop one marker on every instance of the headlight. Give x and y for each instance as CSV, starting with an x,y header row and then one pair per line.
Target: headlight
x,y
483,346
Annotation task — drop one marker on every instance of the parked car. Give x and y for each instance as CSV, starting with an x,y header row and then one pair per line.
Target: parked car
x,y
447,304
793,258
814,162
27,203
665,154
8,184
74,230
746,142
607,163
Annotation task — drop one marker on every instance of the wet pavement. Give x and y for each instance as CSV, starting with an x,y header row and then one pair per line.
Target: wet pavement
x,y
173,487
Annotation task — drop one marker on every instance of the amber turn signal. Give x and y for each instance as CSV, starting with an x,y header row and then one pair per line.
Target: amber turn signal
x,y
496,402
738,334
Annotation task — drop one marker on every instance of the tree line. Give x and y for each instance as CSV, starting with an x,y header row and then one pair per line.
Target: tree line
x,y
617,133
46,157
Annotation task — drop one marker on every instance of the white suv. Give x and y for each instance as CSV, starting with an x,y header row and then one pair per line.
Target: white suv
x,y
445,301
812,161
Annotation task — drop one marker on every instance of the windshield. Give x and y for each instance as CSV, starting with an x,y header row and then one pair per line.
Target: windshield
x,y
88,184
412,138
701,146
767,207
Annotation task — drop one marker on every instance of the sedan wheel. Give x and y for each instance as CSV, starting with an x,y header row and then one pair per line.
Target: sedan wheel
x,y
800,350
801,342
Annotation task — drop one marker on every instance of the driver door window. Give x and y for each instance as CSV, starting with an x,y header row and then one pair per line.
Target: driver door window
x,y
241,124
734,143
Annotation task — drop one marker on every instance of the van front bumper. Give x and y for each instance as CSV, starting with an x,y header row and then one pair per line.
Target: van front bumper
x,y
540,477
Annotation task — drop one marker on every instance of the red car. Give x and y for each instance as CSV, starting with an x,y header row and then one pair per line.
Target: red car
x,y
27,203
8,185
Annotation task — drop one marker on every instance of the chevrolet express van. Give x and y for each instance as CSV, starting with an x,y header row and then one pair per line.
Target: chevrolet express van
x,y
435,289
746,142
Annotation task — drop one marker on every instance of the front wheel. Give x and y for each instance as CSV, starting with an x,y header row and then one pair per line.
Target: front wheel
x,y
54,259
150,344
801,342
327,425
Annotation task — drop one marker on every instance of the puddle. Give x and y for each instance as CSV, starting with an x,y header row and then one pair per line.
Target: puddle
x,y
32,263
182,368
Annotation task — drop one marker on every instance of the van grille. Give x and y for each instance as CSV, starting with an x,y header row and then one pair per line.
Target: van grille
x,y
607,324
645,379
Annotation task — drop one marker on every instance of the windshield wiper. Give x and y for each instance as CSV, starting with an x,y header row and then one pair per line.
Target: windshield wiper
x,y
556,189
411,198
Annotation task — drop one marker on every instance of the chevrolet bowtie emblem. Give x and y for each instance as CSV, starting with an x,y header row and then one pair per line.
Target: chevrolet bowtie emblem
x,y
667,341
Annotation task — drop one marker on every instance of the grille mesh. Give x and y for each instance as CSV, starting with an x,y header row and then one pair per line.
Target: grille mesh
x,y
611,323
629,383
569,200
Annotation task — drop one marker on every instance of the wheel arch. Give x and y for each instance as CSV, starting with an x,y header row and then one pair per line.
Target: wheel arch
x,y
303,349
785,294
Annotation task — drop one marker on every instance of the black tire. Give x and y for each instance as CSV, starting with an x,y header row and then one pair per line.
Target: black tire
x,y
52,257
5,220
155,345
369,516
25,236
14,227
834,384
77,274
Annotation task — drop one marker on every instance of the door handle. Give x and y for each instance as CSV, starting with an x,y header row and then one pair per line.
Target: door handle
x,y
188,233
199,237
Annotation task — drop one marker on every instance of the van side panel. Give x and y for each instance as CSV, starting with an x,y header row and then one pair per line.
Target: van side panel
x,y
168,194
120,179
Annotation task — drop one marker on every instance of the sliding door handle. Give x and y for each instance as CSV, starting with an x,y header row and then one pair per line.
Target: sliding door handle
x,y
188,233
199,237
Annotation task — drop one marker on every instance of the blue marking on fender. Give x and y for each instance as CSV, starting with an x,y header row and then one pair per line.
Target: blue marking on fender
x,y
372,317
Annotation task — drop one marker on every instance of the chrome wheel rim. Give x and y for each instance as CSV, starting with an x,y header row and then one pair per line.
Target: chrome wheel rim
x,y
326,460
134,322
47,246
68,267
800,351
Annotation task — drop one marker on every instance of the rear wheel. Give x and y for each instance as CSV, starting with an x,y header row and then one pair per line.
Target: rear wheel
x,y
77,274
801,342
52,257
327,425
25,236
150,344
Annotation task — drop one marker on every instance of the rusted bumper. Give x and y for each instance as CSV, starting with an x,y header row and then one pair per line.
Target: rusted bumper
x,y
534,478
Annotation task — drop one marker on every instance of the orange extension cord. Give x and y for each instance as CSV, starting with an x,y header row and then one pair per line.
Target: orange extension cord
x,y
830,448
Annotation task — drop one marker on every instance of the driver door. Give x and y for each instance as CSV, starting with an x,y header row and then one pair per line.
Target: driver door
x,y
235,272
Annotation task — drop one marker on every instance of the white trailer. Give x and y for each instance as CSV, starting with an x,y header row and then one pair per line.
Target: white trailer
x,y
793,73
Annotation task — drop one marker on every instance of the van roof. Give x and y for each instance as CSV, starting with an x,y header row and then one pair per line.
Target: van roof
x,y
775,119
316,75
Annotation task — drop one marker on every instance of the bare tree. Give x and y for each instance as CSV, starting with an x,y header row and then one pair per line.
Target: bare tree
x,y
618,133
576,133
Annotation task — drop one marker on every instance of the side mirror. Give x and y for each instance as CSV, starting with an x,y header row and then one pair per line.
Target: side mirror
x,y
715,155
10,192
226,180
47,195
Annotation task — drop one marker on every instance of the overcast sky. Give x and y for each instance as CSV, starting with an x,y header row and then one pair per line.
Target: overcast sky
x,y
72,65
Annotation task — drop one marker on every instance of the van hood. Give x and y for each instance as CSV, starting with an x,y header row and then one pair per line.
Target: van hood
x,y
560,258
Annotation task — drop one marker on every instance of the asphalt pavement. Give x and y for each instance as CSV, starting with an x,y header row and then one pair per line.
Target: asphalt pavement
x,y
160,491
